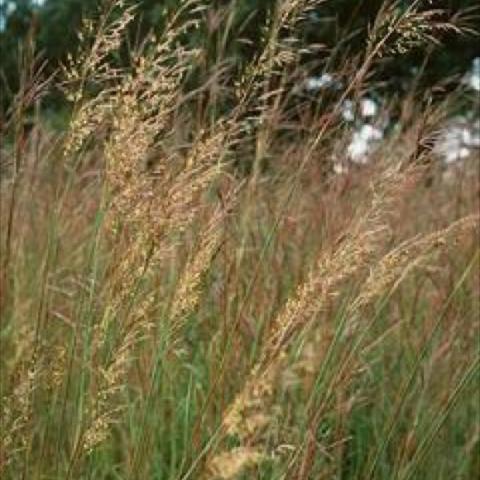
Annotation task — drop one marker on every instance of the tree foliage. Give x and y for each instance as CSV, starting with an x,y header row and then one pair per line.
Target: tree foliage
x,y
233,29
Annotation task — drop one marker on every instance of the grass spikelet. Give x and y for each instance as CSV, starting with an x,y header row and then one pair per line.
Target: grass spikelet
x,y
91,66
16,416
355,250
398,30
246,416
230,464
111,381
187,292
410,255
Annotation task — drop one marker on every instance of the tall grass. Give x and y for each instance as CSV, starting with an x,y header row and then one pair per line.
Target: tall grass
x,y
188,291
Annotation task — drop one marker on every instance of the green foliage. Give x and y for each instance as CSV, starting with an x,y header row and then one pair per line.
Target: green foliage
x,y
341,25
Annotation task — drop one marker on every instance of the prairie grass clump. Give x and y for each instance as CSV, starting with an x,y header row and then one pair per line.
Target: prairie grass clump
x,y
168,314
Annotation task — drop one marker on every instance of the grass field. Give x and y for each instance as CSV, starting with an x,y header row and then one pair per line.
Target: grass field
x,y
189,291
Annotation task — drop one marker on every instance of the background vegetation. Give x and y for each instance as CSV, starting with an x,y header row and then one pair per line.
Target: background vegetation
x,y
335,24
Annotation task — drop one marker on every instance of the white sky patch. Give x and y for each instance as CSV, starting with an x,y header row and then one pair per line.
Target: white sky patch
x,y
11,7
358,150
368,107
458,140
369,133
471,138
364,141
339,168
313,84
348,111
472,78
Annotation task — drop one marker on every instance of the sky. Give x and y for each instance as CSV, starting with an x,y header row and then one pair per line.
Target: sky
x,y
7,7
